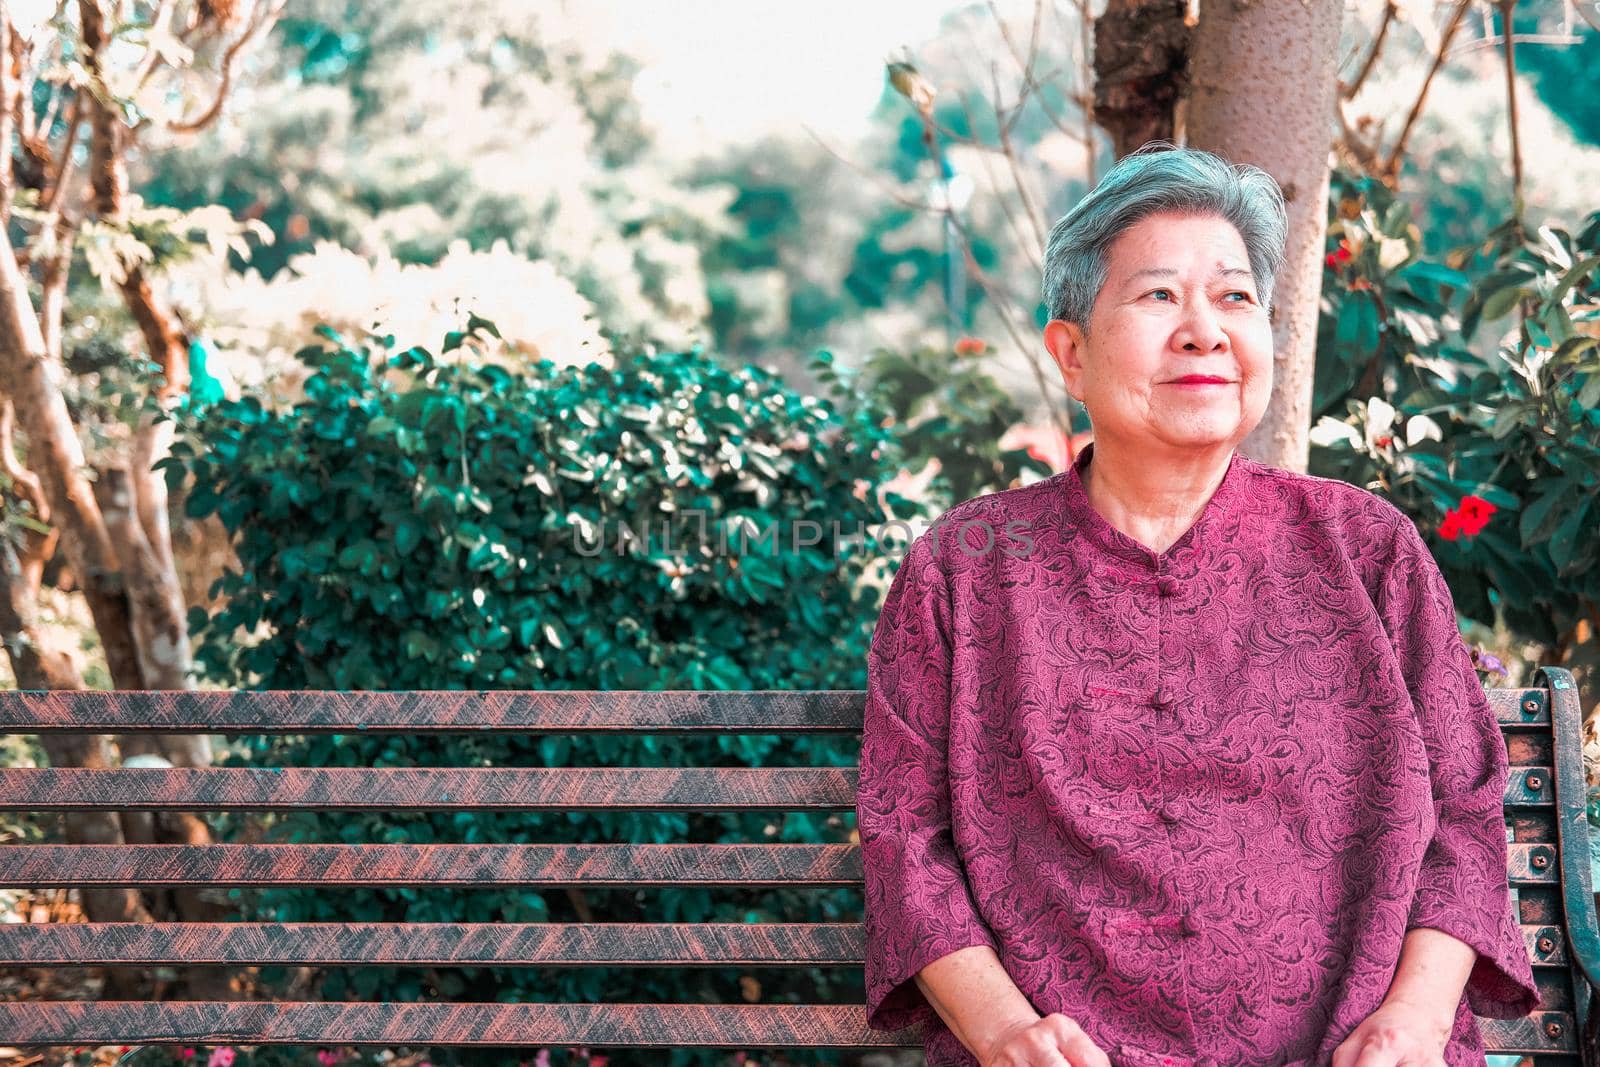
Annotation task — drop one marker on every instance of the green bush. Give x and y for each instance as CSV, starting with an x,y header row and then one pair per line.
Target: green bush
x,y
421,523
1441,411
946,407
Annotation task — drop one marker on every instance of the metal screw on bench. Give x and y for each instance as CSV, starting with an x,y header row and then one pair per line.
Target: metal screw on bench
x,y
1530,706
1535,783
1546,945
1552,1030
1541,861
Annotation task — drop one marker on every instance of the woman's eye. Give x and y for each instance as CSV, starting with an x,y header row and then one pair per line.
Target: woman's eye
x,y
1238,292
1153,292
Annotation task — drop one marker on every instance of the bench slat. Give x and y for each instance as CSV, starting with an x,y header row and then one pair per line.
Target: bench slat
x,y
501,789
746,1026
1530,787
499,944
34,866
429,789
436,711
502,944
1531,864
1531,1033
620,866
738,1026
1547,945
1520,707
502,711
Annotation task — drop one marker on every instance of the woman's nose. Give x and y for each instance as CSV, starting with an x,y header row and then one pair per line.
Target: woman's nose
x,y
1200,330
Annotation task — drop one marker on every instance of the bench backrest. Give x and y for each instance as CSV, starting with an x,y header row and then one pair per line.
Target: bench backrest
x,y
1548,868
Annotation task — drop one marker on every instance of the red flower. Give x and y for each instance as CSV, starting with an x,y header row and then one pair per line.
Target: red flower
x,y
1475,512
1339,256
1467,520
971,346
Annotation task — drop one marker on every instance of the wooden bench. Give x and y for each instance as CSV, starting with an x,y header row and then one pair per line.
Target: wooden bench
x,y
1548,870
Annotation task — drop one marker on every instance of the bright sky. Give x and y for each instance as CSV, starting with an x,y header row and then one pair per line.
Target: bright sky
x,y
722,70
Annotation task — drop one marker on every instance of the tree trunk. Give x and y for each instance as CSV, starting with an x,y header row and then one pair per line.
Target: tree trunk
x,y
1140,51
1262,77
56,456
37,666
152,577
133,497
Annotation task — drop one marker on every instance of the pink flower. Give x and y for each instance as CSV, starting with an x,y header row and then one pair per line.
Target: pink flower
x,y
186,1054
327,1057
221,1057
542,1059
598,1060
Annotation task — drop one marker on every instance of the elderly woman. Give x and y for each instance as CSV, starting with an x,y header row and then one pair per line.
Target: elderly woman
x,y
1177,758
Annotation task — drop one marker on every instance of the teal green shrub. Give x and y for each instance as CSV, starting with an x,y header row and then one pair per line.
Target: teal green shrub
x,y
1514,409
417,522
947,407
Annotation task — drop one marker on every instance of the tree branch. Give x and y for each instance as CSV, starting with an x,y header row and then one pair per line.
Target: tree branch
x,y
26,481
1391,167
209,115
1511,107
1348,91
1029,207
999,300
1005,207
152,56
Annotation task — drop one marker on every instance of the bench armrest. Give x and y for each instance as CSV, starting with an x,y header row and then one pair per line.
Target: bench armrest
x,y
1572,822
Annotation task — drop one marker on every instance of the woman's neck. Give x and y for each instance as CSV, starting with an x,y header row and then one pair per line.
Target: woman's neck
x,y
1155,503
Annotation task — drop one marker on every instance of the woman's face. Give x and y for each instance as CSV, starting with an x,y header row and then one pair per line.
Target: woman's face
x,y
1179,300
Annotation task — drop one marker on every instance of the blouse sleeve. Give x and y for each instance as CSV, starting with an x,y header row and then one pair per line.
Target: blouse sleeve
x,y
918,904
1462,889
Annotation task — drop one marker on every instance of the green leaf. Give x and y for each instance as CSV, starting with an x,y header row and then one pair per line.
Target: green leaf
x,y
415,356
1579,273
1564,542
1501,302
407,535
1539,518
1589,394
556,633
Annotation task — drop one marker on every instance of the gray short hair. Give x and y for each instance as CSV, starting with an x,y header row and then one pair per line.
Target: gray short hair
x,y
1161,177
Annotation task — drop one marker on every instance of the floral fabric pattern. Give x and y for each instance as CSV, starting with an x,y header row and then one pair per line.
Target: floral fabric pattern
x,y
1193,799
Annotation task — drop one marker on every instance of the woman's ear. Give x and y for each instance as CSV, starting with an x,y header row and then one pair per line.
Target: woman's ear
x,y
1067,344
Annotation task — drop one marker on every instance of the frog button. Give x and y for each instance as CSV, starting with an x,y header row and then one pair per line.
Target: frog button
x,y
1167,585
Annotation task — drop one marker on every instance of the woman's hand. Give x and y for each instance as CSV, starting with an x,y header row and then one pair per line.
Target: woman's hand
x,y
1053,1041
1396,1035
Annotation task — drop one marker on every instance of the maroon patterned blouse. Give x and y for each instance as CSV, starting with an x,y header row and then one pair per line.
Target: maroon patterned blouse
x,y
1193,799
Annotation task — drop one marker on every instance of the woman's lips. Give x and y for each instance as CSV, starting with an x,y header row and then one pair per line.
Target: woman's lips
x,y
1199,383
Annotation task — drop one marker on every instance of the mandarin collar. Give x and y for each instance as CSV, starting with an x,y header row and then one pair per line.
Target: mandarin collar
x,y
1082,523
